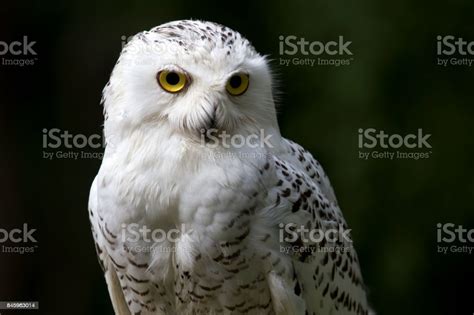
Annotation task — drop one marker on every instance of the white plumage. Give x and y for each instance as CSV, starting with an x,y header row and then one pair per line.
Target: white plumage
x,y
224,204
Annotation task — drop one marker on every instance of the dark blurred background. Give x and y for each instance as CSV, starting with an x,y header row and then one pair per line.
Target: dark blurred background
x,y
393,83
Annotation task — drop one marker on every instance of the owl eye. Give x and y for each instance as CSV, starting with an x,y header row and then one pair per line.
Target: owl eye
x,y
172,81
237,84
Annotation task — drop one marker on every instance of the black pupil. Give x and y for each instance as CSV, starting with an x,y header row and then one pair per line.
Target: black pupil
x,y
172,78
235,81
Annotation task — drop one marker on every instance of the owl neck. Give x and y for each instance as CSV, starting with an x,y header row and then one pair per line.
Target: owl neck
x,y
163,146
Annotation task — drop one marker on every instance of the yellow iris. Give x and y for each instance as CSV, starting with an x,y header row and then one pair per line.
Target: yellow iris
x,y
172,81
237,84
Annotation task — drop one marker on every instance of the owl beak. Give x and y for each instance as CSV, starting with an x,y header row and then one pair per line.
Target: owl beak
x,y
212,121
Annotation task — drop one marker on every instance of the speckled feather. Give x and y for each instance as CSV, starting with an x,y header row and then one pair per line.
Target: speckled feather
x,y
227,259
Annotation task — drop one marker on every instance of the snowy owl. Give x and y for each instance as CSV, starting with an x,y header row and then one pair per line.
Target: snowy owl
x,y
200,206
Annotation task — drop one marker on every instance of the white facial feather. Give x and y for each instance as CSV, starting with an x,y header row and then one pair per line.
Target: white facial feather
x,y
209,54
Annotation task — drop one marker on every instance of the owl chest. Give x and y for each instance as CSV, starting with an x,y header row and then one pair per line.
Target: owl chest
x,y
190,240
196,270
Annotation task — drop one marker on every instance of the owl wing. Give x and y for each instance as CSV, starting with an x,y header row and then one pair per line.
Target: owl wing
x,y
115,289
326,274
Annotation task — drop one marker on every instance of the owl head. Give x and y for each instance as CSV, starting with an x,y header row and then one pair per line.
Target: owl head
x,y
189,76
